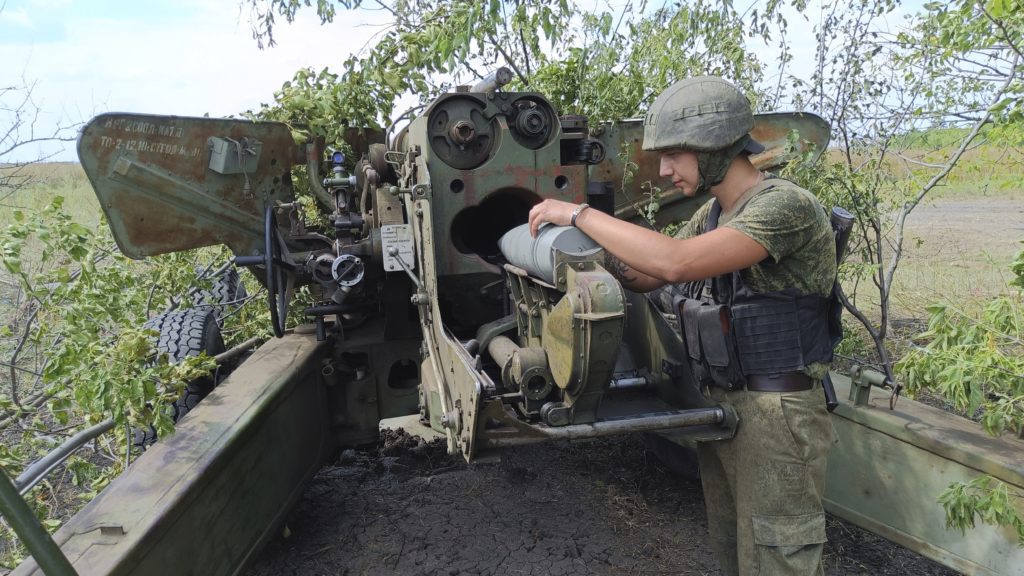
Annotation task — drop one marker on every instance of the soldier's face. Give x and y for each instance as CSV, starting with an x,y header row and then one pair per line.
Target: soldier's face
x,y
681,167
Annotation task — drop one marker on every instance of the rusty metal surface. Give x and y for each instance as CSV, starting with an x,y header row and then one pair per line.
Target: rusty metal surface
x,y
361,138
773,131
204,499
153,179
472,208
623,141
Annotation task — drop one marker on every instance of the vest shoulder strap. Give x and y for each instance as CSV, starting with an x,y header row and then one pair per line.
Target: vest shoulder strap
x,y
725,286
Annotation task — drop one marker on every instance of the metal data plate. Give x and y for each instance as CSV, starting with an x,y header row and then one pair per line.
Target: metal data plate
x,y
169,183
399,236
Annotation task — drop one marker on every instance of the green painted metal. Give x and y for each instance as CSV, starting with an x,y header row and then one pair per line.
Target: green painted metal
x,y
774,130
203,500
890,466
369,377
480,192
582,334
169,183
474,164
25,524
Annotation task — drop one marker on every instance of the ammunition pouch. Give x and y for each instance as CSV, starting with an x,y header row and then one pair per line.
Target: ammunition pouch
x,y
706,329
765,334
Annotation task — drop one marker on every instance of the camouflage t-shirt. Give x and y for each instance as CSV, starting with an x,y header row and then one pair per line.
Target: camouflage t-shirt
x,y
791,225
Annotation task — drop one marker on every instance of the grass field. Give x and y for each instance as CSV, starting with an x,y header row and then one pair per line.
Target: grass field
x,y
959,242
47,180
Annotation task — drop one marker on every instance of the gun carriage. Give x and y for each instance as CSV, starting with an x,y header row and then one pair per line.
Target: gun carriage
x,y
429,307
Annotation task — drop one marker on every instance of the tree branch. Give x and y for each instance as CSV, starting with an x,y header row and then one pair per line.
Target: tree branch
x,y
1006,34
908,207
17,350
876,337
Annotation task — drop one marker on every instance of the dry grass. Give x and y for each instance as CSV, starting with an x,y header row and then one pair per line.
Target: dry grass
x,y
45,181
959,242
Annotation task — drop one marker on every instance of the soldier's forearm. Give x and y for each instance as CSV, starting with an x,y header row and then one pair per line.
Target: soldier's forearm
x,y
629,278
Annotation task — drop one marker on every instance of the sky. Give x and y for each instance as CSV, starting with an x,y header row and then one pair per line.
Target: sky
x,y
180,57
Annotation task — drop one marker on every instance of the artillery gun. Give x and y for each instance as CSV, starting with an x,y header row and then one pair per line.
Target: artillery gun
x,y
434,310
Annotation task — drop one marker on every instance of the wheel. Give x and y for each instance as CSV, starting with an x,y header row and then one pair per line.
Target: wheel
x,y
185,333
225,293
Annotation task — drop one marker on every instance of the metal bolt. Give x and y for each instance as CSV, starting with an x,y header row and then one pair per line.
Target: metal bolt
x,y
451,420
463,132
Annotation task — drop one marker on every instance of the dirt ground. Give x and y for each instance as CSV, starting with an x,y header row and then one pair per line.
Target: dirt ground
x,y
606,507
966,228
956,250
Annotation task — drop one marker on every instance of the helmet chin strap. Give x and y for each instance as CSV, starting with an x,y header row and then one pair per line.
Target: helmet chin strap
x,y
713,165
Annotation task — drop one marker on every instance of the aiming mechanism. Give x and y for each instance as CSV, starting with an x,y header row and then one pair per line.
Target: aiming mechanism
x,y
435,299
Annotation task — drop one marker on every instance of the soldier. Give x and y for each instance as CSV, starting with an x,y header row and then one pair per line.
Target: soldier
x,y
751,277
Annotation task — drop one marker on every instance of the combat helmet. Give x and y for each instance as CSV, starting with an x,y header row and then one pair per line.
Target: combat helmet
x,y
703,114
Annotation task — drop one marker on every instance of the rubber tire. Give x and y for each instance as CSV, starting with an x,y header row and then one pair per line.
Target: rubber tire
x,y
225,293
183,334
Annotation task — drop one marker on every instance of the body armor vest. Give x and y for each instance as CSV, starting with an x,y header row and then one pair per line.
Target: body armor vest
x,y
732,332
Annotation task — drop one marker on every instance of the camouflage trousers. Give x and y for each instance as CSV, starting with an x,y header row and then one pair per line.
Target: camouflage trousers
x,y
763,488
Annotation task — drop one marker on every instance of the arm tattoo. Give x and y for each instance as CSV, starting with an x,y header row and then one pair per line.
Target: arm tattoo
x,y
618,269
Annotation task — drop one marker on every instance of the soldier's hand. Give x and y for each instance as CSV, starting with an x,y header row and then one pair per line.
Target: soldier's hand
x,y
556,212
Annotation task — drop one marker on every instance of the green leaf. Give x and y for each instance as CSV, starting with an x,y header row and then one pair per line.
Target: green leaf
x,y
77,229
997,8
